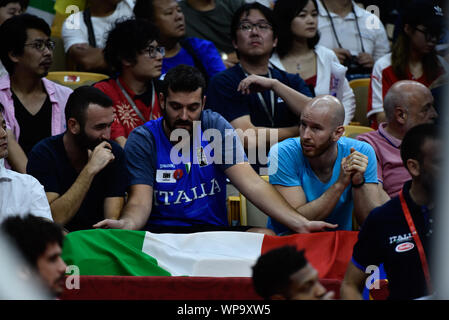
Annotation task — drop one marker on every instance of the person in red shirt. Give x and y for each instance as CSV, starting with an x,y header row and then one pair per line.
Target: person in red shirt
x,y
413,56
133,53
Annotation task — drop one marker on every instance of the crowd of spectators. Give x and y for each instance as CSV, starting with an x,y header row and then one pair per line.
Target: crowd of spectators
x,y
271,80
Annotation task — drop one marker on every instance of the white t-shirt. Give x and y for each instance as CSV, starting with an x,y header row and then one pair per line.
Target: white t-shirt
x,y
74,30
21,194
374,36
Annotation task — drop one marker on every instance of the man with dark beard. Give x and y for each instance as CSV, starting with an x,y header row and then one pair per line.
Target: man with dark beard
x,y
82,171
321,174
399,233
186,193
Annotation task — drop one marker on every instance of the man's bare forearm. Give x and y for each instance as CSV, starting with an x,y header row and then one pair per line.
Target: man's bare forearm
x,y
134,216
321,208
295,100
366,198
66,206
268,137
265,197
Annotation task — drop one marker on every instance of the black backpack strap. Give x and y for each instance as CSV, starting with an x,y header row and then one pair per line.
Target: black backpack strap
x,y
90,30
185,43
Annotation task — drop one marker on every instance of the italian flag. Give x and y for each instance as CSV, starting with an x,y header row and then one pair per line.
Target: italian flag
x,y
205,254
42,8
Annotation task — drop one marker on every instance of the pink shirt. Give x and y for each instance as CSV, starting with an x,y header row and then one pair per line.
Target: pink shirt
x,y
390,169
58,97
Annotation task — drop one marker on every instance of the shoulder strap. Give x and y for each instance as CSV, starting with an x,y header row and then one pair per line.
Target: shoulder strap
x,y
185,43
90,30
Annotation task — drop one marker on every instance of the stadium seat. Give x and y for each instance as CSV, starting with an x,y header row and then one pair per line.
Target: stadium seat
x,y
243,212
360,88
255,217
75,79
353,131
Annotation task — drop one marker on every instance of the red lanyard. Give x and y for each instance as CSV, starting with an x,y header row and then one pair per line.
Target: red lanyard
x,y
418,242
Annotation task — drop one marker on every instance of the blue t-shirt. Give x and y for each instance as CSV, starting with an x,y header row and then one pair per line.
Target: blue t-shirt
x,y
48,163
289,167
189,192
206,53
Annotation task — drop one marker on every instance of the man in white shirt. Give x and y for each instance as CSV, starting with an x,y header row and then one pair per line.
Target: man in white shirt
x,y
352,32
85,47
20,194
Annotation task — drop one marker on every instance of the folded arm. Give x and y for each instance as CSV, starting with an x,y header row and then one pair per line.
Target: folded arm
x,y
253,137
294,99
88,58
269,201
318,209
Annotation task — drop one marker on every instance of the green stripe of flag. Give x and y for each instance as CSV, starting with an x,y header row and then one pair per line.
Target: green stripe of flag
x,y
44,5
110,253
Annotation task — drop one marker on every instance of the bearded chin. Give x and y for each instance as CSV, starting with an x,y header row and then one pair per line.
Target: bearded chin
x,y
85,142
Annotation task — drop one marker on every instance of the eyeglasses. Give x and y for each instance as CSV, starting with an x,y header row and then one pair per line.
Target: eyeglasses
x,y
436,36
42,44
249,27
153,51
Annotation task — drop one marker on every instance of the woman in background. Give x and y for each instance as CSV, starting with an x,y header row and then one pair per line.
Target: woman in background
x,y
413,56
297,52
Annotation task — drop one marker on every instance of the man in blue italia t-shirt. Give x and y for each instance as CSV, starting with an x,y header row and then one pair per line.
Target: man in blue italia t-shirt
x,y
323,175
178,166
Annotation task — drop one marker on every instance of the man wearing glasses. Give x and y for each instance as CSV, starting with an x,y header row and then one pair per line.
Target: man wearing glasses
x,y
133,53
34,106
270,112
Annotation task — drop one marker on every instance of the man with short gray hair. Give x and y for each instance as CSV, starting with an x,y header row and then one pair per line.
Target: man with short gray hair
x,y
321,174
407,104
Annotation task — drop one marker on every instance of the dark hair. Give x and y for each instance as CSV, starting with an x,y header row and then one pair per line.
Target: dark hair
x,y
144,9
2,108
245,9
126,40
13,33
32,234
414,139
80,99
416,12
183,78
23,3
272,271
284,12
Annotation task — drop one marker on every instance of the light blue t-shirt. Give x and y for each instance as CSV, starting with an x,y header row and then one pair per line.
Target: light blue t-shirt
x,y
293,169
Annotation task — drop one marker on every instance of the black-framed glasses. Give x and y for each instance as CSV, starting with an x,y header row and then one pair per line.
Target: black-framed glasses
x,y
261,26
42,44
153,51
429,35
